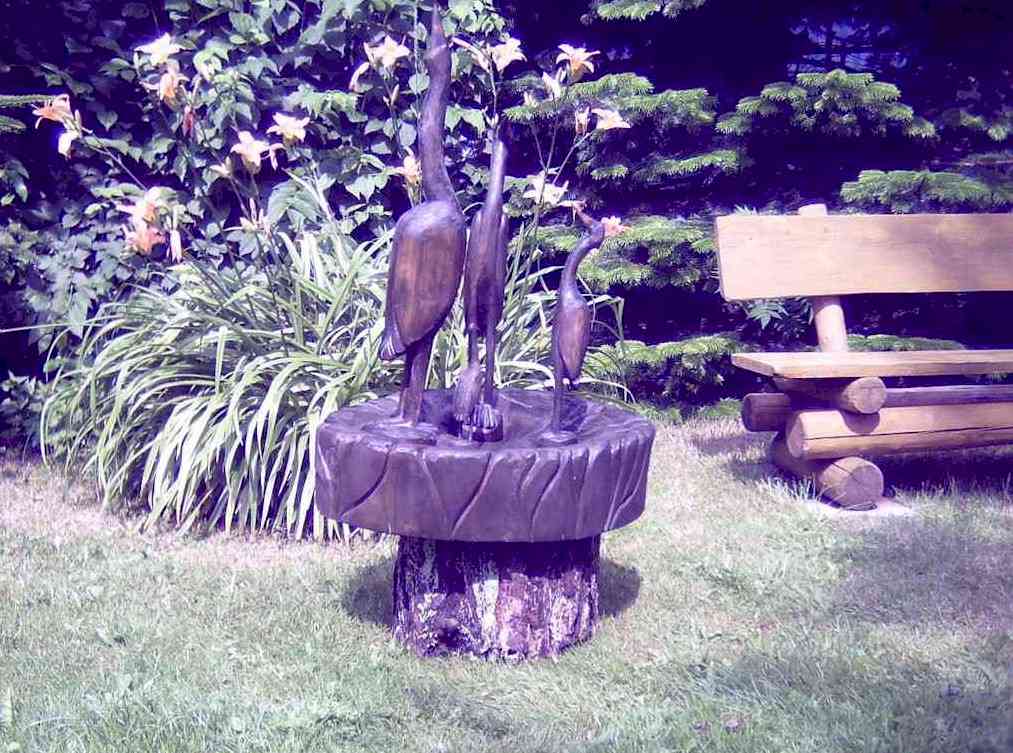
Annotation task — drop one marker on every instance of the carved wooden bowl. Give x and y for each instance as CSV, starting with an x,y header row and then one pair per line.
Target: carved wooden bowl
x,y
513,490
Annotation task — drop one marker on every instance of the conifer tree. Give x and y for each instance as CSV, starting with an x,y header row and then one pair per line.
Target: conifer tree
x,y
833,129
13,175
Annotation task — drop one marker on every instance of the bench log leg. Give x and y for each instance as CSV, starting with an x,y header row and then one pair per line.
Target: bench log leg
x,y
853,483
863,395
496,600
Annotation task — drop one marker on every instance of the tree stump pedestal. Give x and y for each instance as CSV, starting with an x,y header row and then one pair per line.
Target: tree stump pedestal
x,y
498,556
501,600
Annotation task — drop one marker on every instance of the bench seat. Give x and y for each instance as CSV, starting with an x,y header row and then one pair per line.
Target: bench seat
x,y
822,365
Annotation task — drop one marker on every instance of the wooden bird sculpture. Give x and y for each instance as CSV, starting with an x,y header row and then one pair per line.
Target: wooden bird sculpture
x,y
484,283
427,256
571,327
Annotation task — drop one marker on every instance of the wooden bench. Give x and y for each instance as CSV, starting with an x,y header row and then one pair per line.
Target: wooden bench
x,y
833,409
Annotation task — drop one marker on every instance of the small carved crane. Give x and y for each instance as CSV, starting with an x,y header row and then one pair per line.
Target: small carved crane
x,y
571,327
427,256
484,288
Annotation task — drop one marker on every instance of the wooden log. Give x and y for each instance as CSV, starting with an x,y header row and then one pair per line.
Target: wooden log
x,y
498,600
815,365
862,395
851,482
828,313
827,434
770,411
765,256
828,317
766,411
957,394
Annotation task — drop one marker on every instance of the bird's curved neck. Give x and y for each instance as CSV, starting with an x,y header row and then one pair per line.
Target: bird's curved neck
x,y
587,243
497,172
435,179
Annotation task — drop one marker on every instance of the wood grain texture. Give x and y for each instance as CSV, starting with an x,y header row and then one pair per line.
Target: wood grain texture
x,y
828,319
571,322
513,490
828,312
766,411
428,250
770,411
778,256
861,395
503,601
483,298
815,365
827,434
851,482
956,394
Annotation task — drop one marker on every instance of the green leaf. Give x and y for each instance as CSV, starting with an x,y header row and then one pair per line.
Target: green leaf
x,y
418,83
106,117
243,23
406,135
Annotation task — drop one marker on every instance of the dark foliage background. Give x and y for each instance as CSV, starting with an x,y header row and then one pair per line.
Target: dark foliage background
x,y
868,106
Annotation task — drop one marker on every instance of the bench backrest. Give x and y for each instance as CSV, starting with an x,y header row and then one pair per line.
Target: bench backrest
x,y
779,256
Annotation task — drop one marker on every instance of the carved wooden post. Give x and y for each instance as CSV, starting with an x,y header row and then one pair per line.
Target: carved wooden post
x,y
828,314
852,482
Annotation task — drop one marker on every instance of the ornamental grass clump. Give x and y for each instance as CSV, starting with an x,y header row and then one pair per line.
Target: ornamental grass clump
x,y
200,398
202,404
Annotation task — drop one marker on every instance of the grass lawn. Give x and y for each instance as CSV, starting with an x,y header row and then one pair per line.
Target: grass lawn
x,y
738,617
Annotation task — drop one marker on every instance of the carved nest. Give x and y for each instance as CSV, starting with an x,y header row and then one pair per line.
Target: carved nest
x,y
512,490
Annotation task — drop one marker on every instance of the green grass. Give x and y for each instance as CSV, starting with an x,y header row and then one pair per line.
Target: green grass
x,y
738,617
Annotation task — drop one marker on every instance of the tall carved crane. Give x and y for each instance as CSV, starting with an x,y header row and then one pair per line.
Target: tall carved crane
x,y
571,325
427,257
484,290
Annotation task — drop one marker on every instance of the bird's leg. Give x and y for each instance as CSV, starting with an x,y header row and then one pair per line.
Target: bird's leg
x,y
490,363
556,425
486,416
416,370
554,435
467,392
472,345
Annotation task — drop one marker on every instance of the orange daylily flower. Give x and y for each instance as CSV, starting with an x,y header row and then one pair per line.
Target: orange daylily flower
x,y
161,50
506,53
145,209
543,192
291,129
387,53
609,119
142,237
252,150
577,59
56,109
168,84
410,170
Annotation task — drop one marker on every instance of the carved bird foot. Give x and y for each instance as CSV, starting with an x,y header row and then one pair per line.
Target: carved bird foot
x,y
486,424
400,430
467,392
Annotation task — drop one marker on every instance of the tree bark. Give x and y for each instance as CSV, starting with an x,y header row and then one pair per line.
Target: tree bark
x,y
501,600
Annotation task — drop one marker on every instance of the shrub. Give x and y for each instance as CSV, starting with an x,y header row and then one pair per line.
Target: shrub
x,y
202,403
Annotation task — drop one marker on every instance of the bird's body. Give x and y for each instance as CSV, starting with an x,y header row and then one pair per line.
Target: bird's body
x,y
428,251
484,290
571,325
572,341
427,256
